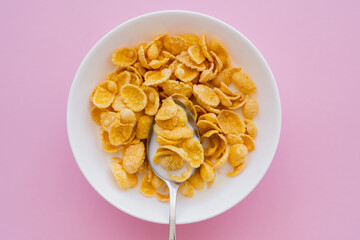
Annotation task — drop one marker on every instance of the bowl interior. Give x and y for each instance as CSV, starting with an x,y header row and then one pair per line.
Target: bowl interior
x,y
84,133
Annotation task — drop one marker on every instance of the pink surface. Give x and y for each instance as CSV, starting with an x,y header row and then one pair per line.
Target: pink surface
x,y
311,190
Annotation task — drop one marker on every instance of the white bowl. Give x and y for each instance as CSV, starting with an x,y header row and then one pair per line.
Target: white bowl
x,y
84,133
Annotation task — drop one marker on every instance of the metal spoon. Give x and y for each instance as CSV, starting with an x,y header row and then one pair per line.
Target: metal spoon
x,y
173,186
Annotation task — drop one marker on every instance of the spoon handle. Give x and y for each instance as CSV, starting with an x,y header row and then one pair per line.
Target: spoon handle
x,y
173,189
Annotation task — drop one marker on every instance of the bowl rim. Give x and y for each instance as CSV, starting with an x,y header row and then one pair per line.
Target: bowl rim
x,y
71,96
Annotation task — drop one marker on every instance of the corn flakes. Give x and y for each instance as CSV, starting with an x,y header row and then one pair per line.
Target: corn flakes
x,y
147,79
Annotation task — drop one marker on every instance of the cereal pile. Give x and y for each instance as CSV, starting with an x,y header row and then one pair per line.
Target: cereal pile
x,y
197,72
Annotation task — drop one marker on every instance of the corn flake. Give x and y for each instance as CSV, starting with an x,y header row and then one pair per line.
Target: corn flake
x,y
195,151
104,94
135,79
189,104
163,141
186,189
175,44
133,157
144,166
157,182
207,74
158,63
118,103
179,151
218,62
142,58
195,53
171,87
210,109
185,73
224,100
134,97
250,108
163,197
243,82
140,69
106,145
222,160
96,114
181,117
156,78
204,48
238,153
168,124
185,59
127,116
248,142
223,77
190,38
146,188
107,119
167,110
205,95
171,162
231,122
238,103
168,55
199,110
142,127
251,129
119,133
231,95
184,176
222,145
207,172
212,146
237,170
233,139
205,126
154,50
153,100
161,153
217,47
124,180
124,57
196,180
121,79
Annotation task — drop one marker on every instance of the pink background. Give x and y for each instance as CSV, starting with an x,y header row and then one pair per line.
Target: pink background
x,y
311,190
